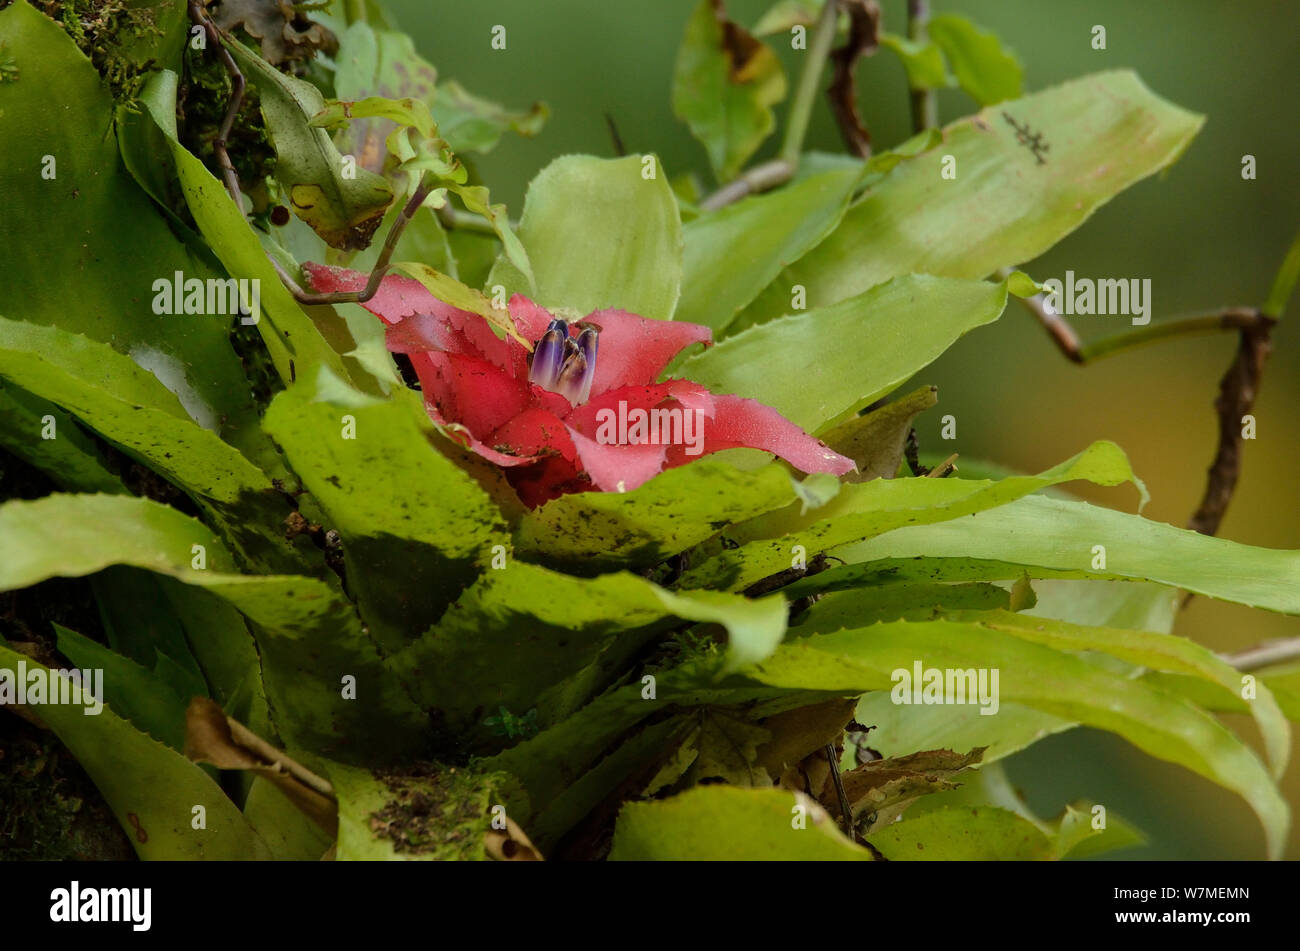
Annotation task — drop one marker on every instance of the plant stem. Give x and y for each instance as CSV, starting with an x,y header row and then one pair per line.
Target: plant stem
x,y
1231,319
758,179
796,123
925,109
1265,655
354,11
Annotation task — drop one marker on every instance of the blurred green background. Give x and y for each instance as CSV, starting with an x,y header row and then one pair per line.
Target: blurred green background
x,y
1203,236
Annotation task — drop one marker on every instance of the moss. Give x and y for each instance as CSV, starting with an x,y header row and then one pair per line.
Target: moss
x,y
104,30
201,108
52,810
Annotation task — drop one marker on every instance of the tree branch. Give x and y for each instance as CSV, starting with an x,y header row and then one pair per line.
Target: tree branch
x,y
863,40
1237,390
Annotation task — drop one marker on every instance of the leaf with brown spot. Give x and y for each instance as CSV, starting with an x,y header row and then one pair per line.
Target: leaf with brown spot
x,y
344,211
725,83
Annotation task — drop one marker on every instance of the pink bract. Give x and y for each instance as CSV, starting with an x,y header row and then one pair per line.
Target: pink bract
x,y
476,385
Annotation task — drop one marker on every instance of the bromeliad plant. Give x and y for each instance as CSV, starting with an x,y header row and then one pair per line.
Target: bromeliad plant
x,y
458,582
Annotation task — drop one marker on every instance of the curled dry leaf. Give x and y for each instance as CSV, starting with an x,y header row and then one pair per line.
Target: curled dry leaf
x,y
212,737
883,788
802,733
286,34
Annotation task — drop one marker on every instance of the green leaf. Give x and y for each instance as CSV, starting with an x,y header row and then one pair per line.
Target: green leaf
x,y
69,458
1062,684
714,823
600,235
343,210
411,548
374,62
125,404
140,695
476,200
876,440
911,602
223,647
978,833
725,83
473,124
1071,833
521,630
589,532
1059,535
1158,652
291,337
380,62
442,814
151,789
1104,133
1077,839
82,249
1283,681
901,729
732,254
872,508
1284,282
287,832
983,66
74,535
857,350
924,62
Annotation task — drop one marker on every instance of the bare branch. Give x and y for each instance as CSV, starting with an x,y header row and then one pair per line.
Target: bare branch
x,y
1237,390
863,40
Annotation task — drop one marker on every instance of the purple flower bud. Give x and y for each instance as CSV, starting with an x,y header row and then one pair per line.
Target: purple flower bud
x,y
579,369
549,356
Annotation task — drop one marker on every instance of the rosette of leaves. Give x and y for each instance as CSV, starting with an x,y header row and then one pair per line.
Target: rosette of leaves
x,y
330,595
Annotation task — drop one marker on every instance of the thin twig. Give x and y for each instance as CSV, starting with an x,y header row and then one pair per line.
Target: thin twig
x,y
846,811
1265,655
925,107
615,138
863,40
944,469
760,178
